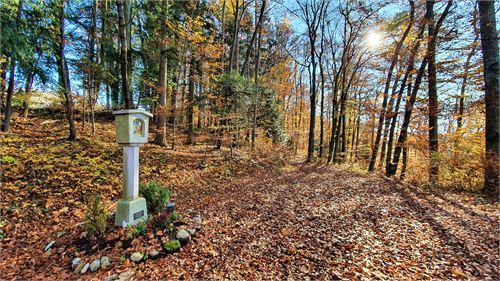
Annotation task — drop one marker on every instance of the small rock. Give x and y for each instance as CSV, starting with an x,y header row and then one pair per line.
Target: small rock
x,y
75,263
126,274
111,278
60,234
154,254
183,236
85,268
198,219
136,257
95,265
105,263
79,267
51,243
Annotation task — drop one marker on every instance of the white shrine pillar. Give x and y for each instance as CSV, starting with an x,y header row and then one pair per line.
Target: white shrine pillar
x,y
130,171
131,133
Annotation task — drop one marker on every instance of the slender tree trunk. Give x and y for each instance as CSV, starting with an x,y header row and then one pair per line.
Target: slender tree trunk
x,y
433,108
255,33
489,47
322,109
28,87
123,54
10,89
390,171
388,116
407,77
190,108
256,81
64,76
233,56
405,163
161,131
461,98
93,91
387,86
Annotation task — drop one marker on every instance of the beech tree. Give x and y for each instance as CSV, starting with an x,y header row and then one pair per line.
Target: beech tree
x,y
489,47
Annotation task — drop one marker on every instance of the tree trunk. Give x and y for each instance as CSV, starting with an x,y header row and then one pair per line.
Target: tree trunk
x,y
10,89
256,81
407,77
489,47
190,101
93,91
433,108
388,116
390,171
405,163
233,56
64,76
28,87
123,54
387,86
255,33
461,98
161,131
322,109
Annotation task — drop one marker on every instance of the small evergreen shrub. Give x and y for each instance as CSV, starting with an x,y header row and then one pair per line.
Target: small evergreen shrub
x,y
156,196
137,230
96,217
175,216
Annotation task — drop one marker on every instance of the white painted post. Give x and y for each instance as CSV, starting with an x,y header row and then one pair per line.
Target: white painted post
x,y
130,171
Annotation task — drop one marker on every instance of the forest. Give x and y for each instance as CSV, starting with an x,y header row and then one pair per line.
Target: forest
x,y
316,138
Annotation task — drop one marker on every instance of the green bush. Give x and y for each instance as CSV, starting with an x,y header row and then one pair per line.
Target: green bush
x,y
96,217
8,159
175,216
156,196
137,230
172,246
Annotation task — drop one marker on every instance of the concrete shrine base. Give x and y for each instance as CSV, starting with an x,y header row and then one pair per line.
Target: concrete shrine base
x,y
131,211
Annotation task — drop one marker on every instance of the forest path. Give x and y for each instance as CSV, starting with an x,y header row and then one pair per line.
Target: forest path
x,y
319,222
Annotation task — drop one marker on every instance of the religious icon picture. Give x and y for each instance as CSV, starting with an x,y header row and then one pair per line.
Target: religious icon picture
x,y
138,127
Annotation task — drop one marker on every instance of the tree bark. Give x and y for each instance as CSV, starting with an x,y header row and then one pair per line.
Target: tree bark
x,y
10,89
390,171
387,86
433,108
161,123
461,98
256,81
407,77
255,33
190,102
489,47
64,76
123,54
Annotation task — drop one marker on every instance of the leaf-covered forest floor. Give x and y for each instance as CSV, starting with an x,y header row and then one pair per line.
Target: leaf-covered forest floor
x,y
261,220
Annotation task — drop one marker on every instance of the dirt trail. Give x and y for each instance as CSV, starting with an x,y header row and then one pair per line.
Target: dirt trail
x,y
318,222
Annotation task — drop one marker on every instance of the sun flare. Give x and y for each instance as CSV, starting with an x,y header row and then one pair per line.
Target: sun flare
x,y
374,39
